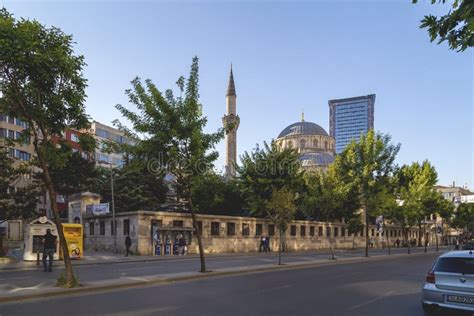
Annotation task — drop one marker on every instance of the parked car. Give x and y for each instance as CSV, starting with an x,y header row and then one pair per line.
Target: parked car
x,y
450,283
469,245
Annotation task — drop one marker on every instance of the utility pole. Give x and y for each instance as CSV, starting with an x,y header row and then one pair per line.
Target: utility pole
x,y
114,223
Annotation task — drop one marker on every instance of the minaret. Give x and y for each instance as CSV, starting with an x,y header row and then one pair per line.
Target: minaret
x,y
231,123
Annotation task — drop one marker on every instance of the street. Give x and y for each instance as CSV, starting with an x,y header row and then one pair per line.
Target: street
x,y
381,287
35,280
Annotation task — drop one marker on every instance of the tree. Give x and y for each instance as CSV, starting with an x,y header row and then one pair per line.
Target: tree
x,y
135,188
174,139
42,84
265,169
368,165
354,226
281,209
327,199
464,218
415,183
19,202
70,172
456,27
214,194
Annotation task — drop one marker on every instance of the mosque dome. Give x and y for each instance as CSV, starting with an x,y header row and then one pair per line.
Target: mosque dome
x,y
303,128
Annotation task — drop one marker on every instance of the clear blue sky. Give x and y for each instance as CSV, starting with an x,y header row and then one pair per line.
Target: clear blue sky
x,y
287,56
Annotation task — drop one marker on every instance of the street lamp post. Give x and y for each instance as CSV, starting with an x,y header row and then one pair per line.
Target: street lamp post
x,y
113,207
114,224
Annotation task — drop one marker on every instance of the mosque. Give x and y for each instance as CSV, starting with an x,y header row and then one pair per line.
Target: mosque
x,y
314,145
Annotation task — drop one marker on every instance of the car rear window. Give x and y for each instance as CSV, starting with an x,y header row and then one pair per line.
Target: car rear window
x,y
455,265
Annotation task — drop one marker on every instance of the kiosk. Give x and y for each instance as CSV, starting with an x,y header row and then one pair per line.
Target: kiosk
x,y
34,233
73,233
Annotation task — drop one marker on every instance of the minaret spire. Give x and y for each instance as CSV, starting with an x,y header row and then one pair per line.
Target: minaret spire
x,y
231,123
231,85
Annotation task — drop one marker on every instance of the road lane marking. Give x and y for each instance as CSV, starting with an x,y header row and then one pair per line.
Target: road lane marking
x,y
371,301
17,278
18,289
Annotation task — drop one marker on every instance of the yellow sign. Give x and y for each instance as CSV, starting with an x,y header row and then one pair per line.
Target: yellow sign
x,y
73,233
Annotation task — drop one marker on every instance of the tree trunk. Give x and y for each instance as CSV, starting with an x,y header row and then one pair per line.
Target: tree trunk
x,y
424,235
437,242
280,247
2,253
332,250
366,230
70,279
386,235
405,232
353,241
419,235
198,236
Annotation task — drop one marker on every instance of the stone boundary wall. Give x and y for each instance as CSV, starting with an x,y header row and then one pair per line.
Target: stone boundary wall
x,y
299,235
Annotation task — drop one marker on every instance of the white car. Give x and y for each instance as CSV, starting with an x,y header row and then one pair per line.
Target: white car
x,y
450,283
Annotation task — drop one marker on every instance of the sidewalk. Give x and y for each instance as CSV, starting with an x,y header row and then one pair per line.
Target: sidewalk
x,y
45,288
98,257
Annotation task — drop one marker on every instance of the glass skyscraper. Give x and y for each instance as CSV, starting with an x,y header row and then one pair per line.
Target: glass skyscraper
x,y
349,118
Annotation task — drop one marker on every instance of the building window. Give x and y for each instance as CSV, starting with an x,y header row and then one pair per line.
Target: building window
x,y
302,231
178,223
258,229
343,232
271,230
126,227
302,143
315,143
362,232
336,231
74,138
215,228
102,133
328,231
290,144
11,119
293,230
326,144
230,229
373,232
91,228
311,230
320,231
102,228
245,229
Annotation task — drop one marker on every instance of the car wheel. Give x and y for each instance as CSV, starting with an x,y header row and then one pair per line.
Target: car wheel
x,y
430,310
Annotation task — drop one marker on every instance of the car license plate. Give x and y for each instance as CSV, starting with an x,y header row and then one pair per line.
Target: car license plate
x,y
460,299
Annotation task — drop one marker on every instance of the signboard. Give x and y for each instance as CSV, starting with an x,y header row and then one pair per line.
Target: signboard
x,y
467,198
97,209
379,224
73,233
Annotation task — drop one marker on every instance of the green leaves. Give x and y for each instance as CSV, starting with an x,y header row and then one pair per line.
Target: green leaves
x,y
266,169
456,27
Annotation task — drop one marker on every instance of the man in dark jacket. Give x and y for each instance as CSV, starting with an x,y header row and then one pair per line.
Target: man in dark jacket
x,y
128,244
49,248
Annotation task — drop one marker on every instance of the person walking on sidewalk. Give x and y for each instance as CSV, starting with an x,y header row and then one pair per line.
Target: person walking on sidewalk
x,y
49,248
262,244
128,244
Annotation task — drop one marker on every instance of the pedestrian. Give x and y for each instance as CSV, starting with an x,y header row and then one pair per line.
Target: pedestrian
x,y
371,242
398,243
49,248
267,244
182,245
262,244
128,244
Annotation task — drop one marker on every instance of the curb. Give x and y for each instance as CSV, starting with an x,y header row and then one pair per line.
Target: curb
x,y
61,292
174,258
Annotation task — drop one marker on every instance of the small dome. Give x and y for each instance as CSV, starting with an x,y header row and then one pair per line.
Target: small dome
x,y
303,128
316,159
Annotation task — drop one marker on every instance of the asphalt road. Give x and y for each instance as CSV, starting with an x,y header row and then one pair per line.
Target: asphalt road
x,y
380,287
20,281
